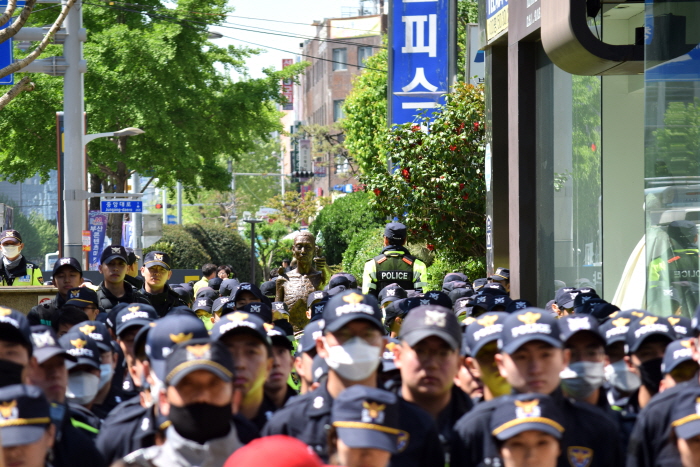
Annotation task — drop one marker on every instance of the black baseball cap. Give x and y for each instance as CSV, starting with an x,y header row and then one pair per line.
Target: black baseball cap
x,y
493,288
463,305
438,298
312,331
459,292
168,332
97,332
482,330
46,344
501,274
82,297
208,293
519,304
114,252
349,306
643,328
67,262
252,288
526,412
395,231
530,324
131,256
219,303
198,354
204,304
84,349
157,258
111,319
681,325
455,276
317,310
685,414
228,287
582,298
25,415
10,234
676,352
280,338
279,310
338,280
269,289
574,324
261,310
135,314
315,297
240,322
14,327
431,320
367,417
215,283
564,297
615,329
388,355
319,368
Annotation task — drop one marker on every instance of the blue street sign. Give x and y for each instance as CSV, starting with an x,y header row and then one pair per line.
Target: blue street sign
x,y
118,206
172,219
420,57
6,56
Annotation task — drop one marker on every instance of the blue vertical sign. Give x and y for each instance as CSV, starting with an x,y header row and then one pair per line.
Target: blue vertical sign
x,y
6,57
420,57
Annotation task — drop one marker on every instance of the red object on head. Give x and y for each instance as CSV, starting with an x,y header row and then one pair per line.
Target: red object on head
x,y
275,451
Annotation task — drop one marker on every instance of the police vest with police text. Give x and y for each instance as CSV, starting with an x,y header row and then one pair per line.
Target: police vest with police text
x,y
394,269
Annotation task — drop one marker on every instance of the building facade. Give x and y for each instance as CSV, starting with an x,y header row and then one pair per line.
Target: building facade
x,y
593,149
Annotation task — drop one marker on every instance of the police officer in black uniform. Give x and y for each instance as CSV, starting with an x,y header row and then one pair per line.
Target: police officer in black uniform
x,y
114,289
353,328
156,272
67,274
531,358
394,264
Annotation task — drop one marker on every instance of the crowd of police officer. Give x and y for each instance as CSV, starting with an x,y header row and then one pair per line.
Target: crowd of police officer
x,y
141,372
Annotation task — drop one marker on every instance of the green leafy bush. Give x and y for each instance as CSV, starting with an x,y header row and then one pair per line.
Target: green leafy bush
x,y
474,268
340,222
362,247
185,253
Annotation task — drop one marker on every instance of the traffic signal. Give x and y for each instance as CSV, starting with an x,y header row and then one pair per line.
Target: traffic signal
x,y
160,206
302,174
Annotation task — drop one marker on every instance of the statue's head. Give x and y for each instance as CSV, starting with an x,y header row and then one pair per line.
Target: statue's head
x,y
304,247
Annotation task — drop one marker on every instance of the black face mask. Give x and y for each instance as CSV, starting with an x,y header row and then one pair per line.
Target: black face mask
x,y
10,373
651,374
201,422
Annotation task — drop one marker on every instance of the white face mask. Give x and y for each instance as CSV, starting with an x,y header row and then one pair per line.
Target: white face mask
x,y
106,372
156,388
580,379
10,251
355,360
621,378
82,387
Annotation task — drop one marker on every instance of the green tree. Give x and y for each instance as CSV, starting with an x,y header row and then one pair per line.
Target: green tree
x,y
39,235
271,245
151,66
348,217
295,208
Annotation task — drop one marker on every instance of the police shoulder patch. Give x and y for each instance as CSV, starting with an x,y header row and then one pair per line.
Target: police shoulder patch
x,y
579,456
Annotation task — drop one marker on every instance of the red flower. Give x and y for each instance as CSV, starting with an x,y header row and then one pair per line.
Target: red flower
x,y
415,128
405,173
461,186
439,196
465,197
453,148
377,191
476,126
430,247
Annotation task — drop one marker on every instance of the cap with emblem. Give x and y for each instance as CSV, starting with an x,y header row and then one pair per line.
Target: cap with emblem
x,y
395,231
198,354
677,352
501,274
390,293
459,292
681,325
25,415
240,322
257,452
615,329
574,324
157,258
280,338
259,309
219,303
131,256
46,344
530,324
431,320
368,418
317,310
97,332
10,235
685,414
319,369
14,327
337,284
646,327
478,284
307,342
463,306
269,289
82,297
564,297
69,263
437,297
250,288
207,292
168,332
228,287
455,276
583,296
519,304
315,297
84,349
526,412
114,252
215,283
493,288
482,330
388,354
136,314
350,306
203,304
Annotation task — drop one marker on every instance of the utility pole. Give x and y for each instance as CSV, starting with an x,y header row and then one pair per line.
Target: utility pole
x,y
165,206
137,216
74,124
179,203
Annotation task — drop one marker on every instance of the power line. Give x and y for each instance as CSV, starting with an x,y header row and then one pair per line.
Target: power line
x,y
183,23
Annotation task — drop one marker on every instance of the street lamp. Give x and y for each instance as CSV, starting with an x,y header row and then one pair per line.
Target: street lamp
x,y
252,223
113,134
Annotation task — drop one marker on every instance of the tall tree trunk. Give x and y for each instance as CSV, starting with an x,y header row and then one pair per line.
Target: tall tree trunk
x,y
114,225
95,187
